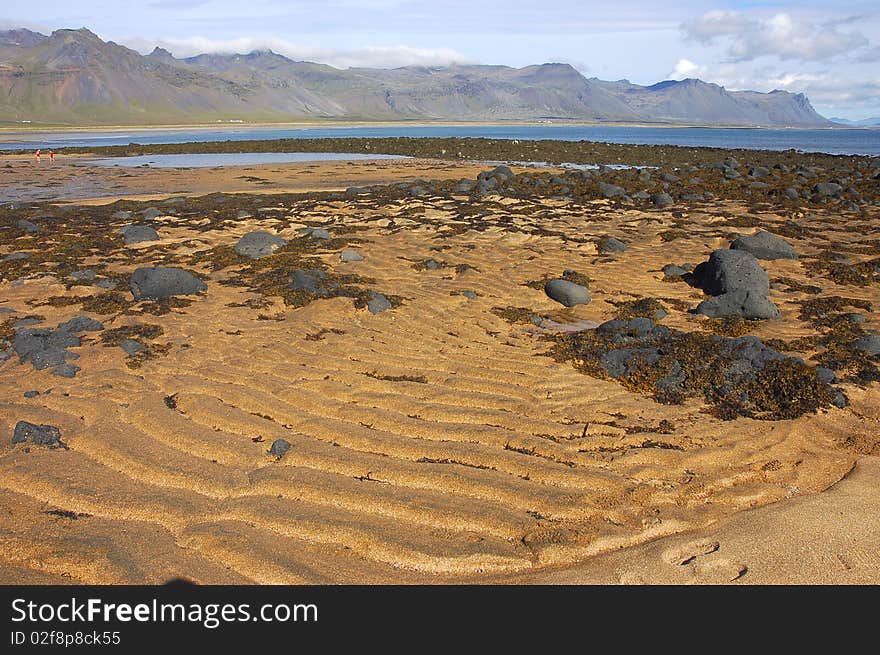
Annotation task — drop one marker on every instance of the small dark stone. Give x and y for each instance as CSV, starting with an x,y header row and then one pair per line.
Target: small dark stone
x,y
610,244
315,282
39,435
463,186
132,234
673,271
131,347
827,189
81,323
279,448
567,293
378,303
31,394
27,226
870,345
86,275
611,190
662,200
317,233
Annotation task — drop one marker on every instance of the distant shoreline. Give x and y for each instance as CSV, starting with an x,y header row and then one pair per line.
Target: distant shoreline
x,y
29,129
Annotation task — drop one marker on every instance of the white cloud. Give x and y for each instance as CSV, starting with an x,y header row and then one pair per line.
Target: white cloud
x,y
370,56
781,35
686,68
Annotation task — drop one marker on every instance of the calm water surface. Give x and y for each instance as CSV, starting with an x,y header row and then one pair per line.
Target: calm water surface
x,y
835,141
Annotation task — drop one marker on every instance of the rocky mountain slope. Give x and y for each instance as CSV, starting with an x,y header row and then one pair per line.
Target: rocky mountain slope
x,y
73,77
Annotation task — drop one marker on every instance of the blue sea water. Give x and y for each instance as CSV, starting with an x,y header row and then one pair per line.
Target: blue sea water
x,y
834,141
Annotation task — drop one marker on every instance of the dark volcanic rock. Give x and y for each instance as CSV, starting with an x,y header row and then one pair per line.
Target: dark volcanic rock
x,y
567,293
611,190
256,245
351,256
610,244
731,270
378,303
81,323
739,284
870,345
39,435
27,226
158,282
317,233
662,200
132,234
131,347
279,448
765,245
85,275
742,302
674,271
45,348
463,186
827,189
314,282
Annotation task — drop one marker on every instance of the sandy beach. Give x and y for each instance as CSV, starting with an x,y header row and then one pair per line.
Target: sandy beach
x,y
439,441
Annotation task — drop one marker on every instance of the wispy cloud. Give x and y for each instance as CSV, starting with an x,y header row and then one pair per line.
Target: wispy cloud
x,y
782,35
380,56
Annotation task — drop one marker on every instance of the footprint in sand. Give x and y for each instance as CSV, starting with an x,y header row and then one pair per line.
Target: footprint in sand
x,y
706,570
718,571
686,553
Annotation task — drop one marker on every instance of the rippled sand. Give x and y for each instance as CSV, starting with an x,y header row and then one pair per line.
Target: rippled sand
x,y
434,442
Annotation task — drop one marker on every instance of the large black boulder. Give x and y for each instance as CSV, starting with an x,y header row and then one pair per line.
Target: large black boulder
x,y
765,245
158,282
256,245
731,270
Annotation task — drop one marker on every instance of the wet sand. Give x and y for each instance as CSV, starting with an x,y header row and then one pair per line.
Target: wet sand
x,y
435,442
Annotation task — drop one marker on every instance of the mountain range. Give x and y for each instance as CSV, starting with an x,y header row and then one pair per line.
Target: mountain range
x,y
865,122
72,77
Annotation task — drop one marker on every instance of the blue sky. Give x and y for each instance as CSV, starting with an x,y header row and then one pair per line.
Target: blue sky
x,y
828,50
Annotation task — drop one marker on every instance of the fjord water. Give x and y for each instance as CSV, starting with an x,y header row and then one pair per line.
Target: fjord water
x,y
834,141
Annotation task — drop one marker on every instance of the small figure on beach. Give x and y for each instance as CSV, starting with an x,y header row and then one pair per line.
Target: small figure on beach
x,y
38,154
51,156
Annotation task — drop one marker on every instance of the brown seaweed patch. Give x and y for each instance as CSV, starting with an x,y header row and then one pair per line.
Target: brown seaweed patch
x,y
514,314
735,376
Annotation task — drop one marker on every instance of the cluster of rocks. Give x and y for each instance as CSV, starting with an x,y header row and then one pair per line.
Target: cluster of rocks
x,y
47,348
739,286
656,188
742,375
